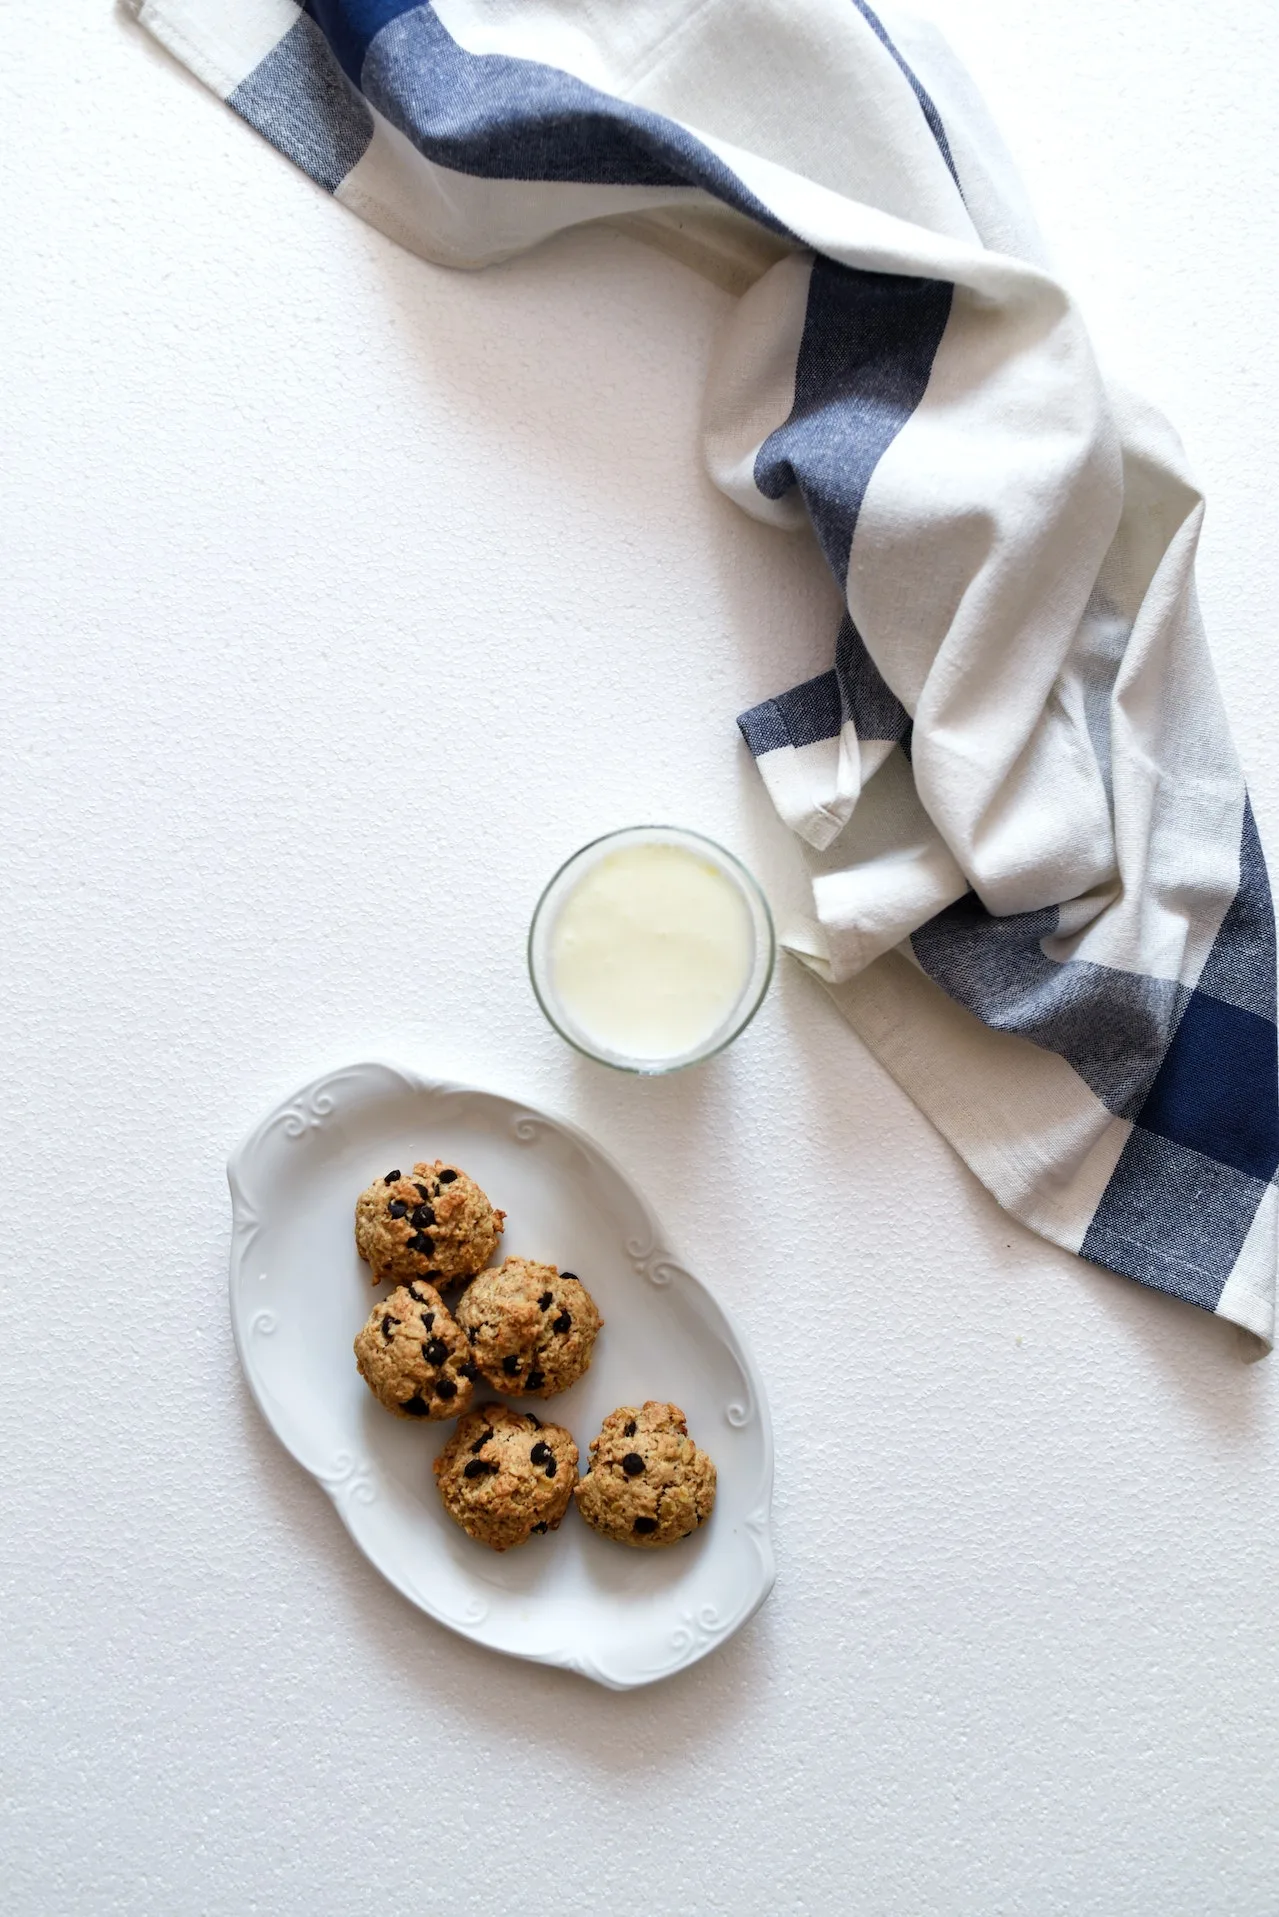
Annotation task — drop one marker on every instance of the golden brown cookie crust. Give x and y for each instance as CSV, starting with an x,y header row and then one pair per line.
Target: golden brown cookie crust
x,y
532,1329
504,1475
413,1357
647,1483
435,1224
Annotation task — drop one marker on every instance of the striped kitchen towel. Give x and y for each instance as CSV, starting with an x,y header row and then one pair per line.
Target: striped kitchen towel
x,y
1039,894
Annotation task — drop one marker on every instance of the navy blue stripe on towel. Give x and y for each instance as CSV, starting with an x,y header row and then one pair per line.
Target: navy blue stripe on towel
x,y
498,118
926,103
1195,1069
820,708
865,358
350,27
300,100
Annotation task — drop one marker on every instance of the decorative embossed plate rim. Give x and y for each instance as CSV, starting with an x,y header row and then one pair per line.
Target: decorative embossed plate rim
x,y
298,1292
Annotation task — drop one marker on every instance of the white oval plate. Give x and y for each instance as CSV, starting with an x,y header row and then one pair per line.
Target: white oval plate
x,y
299,1294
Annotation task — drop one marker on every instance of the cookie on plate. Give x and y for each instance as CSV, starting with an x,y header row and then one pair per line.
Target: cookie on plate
x,y
412,1356
531,1328
435,1224
504,1475
647,1483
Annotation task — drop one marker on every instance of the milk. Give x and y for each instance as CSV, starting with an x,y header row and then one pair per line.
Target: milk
x,y
651,951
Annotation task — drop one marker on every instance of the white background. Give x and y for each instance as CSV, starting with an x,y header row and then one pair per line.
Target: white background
x,y
331,625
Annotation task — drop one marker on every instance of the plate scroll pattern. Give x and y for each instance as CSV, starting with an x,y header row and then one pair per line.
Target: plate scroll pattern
x,y
342,1101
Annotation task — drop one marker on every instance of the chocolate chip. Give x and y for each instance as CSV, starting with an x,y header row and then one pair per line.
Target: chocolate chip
x,y
535,1422
416,1406
436,1352
572,1277
480,1468
536,1379
387,1322
630,1429
428,1319
562,1323
470,1371
422,1190
480,1443
422,1243
413,1292
511,1366
397,1208
541,1527
632,1464
645,1526
540,1453
551,1467
422,1217
546,1300
391,1177
445,1388
447,1177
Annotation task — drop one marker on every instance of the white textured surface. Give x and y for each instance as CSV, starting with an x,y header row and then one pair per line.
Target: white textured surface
x,y
320,584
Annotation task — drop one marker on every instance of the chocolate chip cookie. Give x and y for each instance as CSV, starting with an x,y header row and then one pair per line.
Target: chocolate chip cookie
x,y
647,1483
435,1224
503,1475
531,1328
412,1356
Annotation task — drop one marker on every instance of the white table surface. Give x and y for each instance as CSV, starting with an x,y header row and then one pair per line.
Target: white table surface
x,y
318,558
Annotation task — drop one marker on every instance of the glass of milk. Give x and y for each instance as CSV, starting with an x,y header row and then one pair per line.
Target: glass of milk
x,y
651,949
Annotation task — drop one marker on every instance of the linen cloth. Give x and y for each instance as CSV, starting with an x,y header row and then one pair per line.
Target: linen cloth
x,y
1039,892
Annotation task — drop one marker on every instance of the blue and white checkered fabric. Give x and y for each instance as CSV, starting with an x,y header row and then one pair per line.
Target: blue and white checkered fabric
x,y
1039,891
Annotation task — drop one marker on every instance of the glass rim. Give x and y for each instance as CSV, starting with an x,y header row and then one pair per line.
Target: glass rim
x,y
752,890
